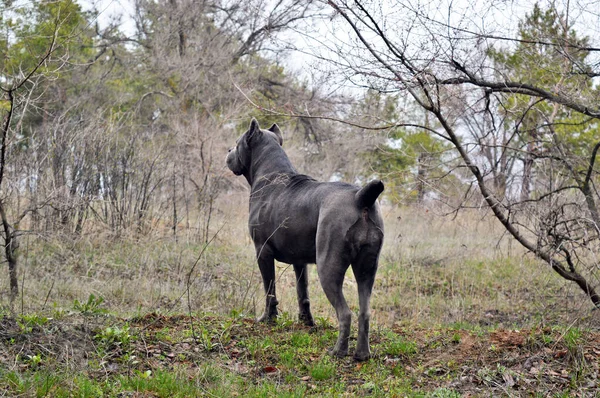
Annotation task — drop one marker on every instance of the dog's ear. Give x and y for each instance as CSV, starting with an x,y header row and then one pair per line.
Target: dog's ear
x,y
253,130
275,129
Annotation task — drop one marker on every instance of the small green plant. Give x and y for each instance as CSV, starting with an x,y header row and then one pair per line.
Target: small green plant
x,y
208,373
236,313
85,387
399,346
573,338
288,358
143,375
159,383
443,393
225,335
57,311
284,320
204,339
255,347
164,334
34,360
547,339
486,375
322,322
129,359
28,321
114,337
91,307
323,369
300,339
455,338
34,319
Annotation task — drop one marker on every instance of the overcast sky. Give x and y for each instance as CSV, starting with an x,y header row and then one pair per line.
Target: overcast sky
x,y
112,9
495,17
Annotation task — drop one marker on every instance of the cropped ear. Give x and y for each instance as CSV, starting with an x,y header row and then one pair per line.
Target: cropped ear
x,y
253,130
275,129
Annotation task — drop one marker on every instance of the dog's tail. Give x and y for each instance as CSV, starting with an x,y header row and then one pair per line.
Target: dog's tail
x,y
365,237
368,194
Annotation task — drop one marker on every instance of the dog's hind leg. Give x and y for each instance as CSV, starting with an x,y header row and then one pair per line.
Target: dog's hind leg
x,y
364,239
302,289
364,268
331,275
266,264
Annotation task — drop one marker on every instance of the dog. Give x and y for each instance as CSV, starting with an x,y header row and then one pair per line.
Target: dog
x,y
297,220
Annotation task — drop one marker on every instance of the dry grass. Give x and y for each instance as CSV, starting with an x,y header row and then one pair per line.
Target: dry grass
x,y
433,270
456,312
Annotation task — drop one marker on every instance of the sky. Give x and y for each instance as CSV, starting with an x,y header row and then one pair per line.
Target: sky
x,y
110,10
327,38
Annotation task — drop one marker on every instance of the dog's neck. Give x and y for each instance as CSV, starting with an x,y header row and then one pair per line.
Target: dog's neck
x,y
268,160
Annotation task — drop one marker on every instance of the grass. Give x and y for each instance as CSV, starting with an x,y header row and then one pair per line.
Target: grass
x,y
452,313
432,270
323,369
398,346
268,360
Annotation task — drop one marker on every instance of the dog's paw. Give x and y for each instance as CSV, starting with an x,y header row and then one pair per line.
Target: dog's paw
x,y
362,356
339,353
307,320
267,318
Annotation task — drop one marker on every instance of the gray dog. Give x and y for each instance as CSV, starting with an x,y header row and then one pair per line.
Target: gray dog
x,y
297,220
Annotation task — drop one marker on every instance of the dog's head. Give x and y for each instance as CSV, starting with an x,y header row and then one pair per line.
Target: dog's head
x,y
239,158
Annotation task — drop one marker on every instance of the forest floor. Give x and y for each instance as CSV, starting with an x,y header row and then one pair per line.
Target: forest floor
x,y
457,310
91,354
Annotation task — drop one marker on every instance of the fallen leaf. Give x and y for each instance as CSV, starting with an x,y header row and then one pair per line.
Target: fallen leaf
x,y
560,354
270,369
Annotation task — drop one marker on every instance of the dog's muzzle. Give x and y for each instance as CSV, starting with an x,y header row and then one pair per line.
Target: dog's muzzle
x,y
233,162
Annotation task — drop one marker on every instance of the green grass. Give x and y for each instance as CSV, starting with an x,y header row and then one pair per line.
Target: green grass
x,y
155,355
323,369
398,346
162,383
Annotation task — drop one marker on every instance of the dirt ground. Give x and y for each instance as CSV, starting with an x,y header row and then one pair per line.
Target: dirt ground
x,y
407,360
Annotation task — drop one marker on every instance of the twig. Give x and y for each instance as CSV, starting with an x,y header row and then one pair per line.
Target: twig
x,y
334,119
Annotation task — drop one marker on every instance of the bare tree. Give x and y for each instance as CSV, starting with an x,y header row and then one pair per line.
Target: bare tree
x,y
15,90
435,54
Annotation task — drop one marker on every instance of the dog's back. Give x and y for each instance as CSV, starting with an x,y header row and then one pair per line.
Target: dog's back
x,y
299,207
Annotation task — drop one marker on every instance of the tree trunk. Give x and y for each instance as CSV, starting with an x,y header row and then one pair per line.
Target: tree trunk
x,y
10,251
422,164
526,183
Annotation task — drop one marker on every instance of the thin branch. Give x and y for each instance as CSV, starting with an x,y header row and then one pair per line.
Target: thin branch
x,y
334,119
525,89
588,176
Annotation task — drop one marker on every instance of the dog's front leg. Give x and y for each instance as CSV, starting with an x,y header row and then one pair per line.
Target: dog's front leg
x,y
266,264
302,290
